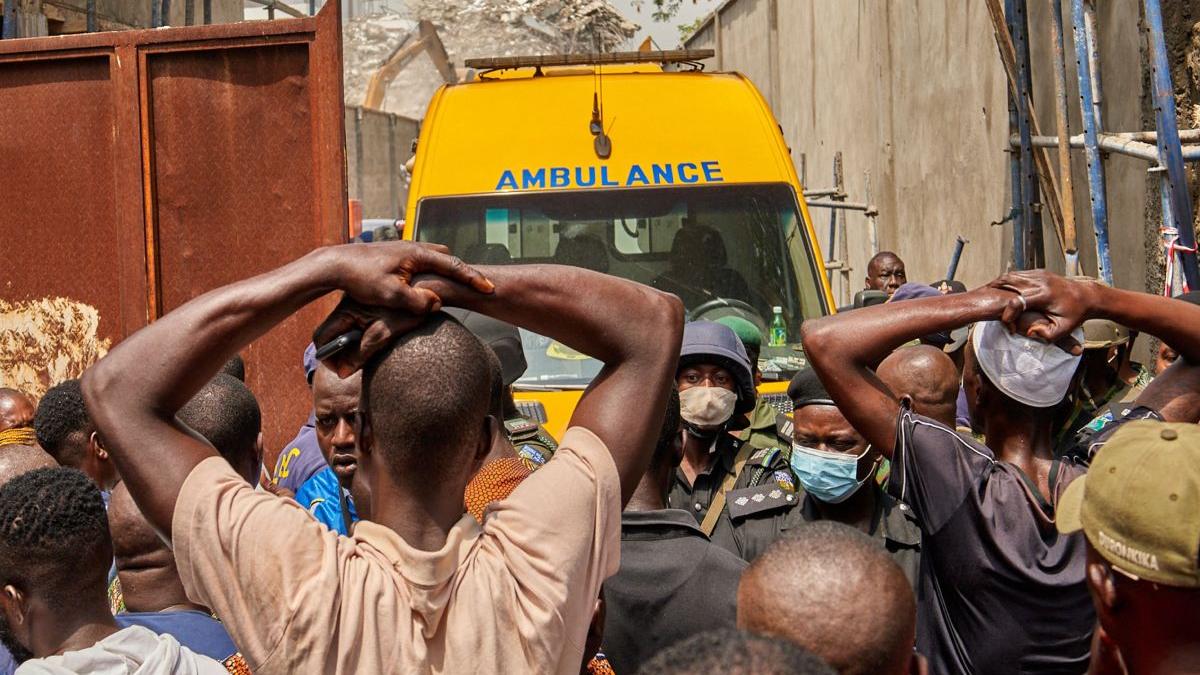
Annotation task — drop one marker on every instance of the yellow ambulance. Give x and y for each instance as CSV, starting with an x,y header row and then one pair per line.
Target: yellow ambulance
x,y
639,165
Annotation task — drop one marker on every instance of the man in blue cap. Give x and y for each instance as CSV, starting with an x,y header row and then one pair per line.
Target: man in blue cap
x,y
739,494
301,459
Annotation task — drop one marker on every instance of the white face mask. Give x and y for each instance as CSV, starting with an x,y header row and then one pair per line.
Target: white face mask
x,y
1027,370
707,406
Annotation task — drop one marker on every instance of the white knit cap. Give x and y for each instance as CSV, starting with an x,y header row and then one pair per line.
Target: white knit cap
x,y
1028,370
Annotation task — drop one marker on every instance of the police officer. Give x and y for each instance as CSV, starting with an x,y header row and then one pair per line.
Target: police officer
x,y
534,445
836,470
739,494
766,421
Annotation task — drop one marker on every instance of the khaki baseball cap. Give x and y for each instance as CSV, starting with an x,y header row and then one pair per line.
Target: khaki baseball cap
x,y
1102,333
1139,503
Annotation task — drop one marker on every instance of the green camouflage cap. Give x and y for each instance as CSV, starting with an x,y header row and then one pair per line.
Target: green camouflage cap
x,y
1139,503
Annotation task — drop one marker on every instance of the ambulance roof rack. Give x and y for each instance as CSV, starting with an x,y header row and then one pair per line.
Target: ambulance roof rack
x,y
688,56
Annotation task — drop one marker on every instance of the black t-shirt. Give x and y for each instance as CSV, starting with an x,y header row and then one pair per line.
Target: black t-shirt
x,y
1001,591
673,583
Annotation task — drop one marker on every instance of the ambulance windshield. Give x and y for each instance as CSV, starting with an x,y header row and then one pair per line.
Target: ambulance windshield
x,y
738,250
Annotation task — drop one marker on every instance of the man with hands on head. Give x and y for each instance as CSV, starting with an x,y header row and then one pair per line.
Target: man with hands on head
x,y
1001,590
421,586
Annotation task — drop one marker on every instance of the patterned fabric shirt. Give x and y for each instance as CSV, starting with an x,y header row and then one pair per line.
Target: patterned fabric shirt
x,y
495,481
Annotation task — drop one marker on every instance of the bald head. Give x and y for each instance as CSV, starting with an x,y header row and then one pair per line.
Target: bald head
x,y
885,272
926,375
18,459
16,410
835,592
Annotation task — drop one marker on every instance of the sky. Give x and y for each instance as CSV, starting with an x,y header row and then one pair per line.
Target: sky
x,y
666,34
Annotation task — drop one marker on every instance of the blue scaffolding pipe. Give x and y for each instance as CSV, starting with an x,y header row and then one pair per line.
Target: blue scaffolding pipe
x,y
1087,61
1169,149
10,20
1014,166
1025,257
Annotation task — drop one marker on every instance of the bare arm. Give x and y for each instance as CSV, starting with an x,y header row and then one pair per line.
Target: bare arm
x,y
844,349
633,329
1067,303
133,393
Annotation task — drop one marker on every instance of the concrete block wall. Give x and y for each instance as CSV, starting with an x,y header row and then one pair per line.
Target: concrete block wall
x,y
912,92
377,146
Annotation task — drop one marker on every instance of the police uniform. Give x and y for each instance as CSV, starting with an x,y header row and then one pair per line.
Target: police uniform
x,y
893,523
534,445
763,431
755,508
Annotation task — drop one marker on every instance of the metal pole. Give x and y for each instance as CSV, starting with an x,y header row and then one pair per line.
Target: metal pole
x,y
1014,157
1170,152
1028,255
155,13
312,7
189,12
10,20
1084,62
207,12
955,257
1064,149
91,16
837,181
166,12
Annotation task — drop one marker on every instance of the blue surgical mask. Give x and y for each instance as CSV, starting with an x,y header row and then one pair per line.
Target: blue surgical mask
x,y
831,477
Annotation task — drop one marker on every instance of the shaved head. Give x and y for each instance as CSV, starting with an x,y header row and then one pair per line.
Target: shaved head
x,y
926,375
18,459
426,397
16,410
227,415
835,592
885,272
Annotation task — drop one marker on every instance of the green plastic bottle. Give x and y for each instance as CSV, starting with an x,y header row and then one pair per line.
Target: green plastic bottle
x,y
779,336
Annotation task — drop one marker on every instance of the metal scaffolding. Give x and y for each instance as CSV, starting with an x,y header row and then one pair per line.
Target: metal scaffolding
x,y
1163,148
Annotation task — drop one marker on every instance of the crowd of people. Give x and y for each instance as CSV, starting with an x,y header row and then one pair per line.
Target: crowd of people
x,y
968,481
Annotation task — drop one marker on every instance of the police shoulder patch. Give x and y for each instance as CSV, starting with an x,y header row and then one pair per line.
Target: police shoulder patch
x,y
783,426
760,499
531,456
784,480
519,425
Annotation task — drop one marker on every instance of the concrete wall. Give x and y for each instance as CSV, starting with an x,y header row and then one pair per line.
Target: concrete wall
x,y
68,16
377,146
913,94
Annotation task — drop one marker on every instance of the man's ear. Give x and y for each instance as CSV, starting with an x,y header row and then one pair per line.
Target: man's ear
x,y
258,447
12,603
1104,587
96,445
491,427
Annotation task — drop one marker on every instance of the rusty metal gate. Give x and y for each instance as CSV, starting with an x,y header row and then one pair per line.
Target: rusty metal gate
x,y
139,169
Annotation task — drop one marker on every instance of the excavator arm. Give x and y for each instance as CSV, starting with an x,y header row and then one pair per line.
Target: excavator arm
x,y
427,41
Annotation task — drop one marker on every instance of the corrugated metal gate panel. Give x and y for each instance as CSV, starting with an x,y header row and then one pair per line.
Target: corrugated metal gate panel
x,y
139,169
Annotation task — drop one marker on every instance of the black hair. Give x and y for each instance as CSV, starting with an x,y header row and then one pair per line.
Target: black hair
x,y
498,390
54,537
235,367
61,414
734,652
884,254
669,432
425,396
790,588
227,415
